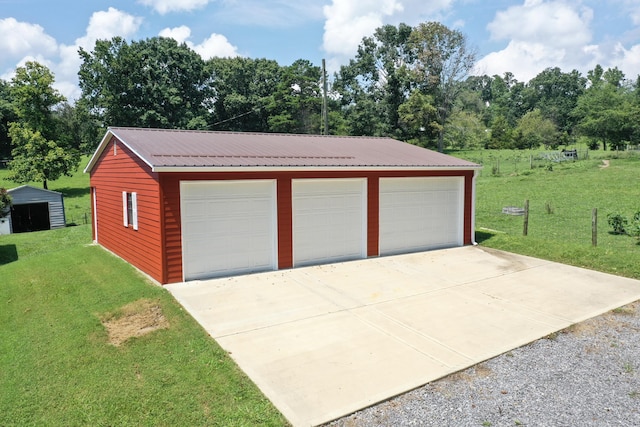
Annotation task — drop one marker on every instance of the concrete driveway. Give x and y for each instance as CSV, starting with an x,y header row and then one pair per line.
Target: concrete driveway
x,y
324,341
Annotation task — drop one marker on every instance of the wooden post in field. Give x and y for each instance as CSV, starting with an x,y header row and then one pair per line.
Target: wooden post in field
x,y
525,229
594,227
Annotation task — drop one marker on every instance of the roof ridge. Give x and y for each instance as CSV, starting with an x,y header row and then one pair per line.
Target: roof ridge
x,y
228,132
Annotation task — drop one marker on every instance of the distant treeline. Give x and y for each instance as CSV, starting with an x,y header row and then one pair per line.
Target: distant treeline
x,y
410,83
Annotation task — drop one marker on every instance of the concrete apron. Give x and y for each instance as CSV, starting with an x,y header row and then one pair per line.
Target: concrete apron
x,y
322,342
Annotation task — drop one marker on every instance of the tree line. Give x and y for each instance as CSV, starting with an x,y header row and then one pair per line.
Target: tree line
x,y
409,83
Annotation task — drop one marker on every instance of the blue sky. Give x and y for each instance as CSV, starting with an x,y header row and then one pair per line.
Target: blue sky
x,y
520,36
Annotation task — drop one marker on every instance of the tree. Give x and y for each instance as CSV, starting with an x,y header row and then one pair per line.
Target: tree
x,y
501,134
39,154
243,91
465,130
507,99
77,128
36,158
149,83
419,117
374,84
442,62
5,202
556,94
296,104
607,111
35,99
7,115
534,130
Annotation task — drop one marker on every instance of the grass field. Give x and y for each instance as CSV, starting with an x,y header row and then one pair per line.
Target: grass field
x,y
562,199
58,367
59,294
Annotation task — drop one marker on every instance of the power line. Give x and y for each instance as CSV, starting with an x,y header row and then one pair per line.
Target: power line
x,y
255,110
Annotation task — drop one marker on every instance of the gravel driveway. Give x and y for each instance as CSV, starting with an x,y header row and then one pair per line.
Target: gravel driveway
x,y
586,375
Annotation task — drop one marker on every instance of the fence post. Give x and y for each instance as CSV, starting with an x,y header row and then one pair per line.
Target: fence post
x,y
594,227
525,229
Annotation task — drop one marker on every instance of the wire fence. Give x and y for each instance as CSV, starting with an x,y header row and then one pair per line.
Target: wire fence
x,y
582,226
508,162
78,218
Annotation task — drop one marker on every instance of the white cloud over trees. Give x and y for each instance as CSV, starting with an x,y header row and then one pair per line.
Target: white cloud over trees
x,y
525,38
556,33
216,45
348,21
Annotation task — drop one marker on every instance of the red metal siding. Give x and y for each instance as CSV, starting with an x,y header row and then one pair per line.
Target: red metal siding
x,y
285,224
173,228
373,216
468,206
170,201
117,171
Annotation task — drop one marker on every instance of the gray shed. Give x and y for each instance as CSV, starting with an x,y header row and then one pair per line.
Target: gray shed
x,y
36,209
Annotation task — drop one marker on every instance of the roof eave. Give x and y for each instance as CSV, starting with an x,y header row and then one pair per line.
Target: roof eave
x,y
12,190
177,169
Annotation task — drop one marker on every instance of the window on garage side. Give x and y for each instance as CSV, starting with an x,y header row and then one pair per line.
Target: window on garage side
x,y
130,209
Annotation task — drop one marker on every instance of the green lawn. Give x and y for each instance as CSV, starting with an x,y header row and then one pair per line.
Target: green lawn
x,y
58,368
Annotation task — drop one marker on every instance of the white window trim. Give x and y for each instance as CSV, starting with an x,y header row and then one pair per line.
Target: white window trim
x,y
133,221
134,210
125,209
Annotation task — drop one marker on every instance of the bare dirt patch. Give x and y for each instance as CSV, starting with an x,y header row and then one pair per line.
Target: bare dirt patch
x,y
134,320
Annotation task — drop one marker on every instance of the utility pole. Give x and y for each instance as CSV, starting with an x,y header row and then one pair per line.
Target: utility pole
x,y
325,114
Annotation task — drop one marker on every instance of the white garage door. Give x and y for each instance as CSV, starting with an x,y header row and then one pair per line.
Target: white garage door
x,y
420,213
228,227
329,220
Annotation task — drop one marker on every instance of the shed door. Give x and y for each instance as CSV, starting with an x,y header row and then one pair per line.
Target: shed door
x,y
421,213
30,217
329,220
228,227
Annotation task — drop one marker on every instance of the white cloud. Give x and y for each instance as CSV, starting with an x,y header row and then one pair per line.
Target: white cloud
x,y
180,34
21,38
216,45
165,6
628,60
541,34
108,24
103,25
348,21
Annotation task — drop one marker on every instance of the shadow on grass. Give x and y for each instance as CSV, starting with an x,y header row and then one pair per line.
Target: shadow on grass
x,y
483,236
8,254
70,193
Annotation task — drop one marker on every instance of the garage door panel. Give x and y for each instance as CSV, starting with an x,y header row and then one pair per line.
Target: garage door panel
x,y
329,220
228,227
420,213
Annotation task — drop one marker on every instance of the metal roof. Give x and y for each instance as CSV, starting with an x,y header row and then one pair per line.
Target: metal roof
x,y
31,188
181,150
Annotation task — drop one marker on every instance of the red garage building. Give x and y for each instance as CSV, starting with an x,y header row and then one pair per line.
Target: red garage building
x,y
185,205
